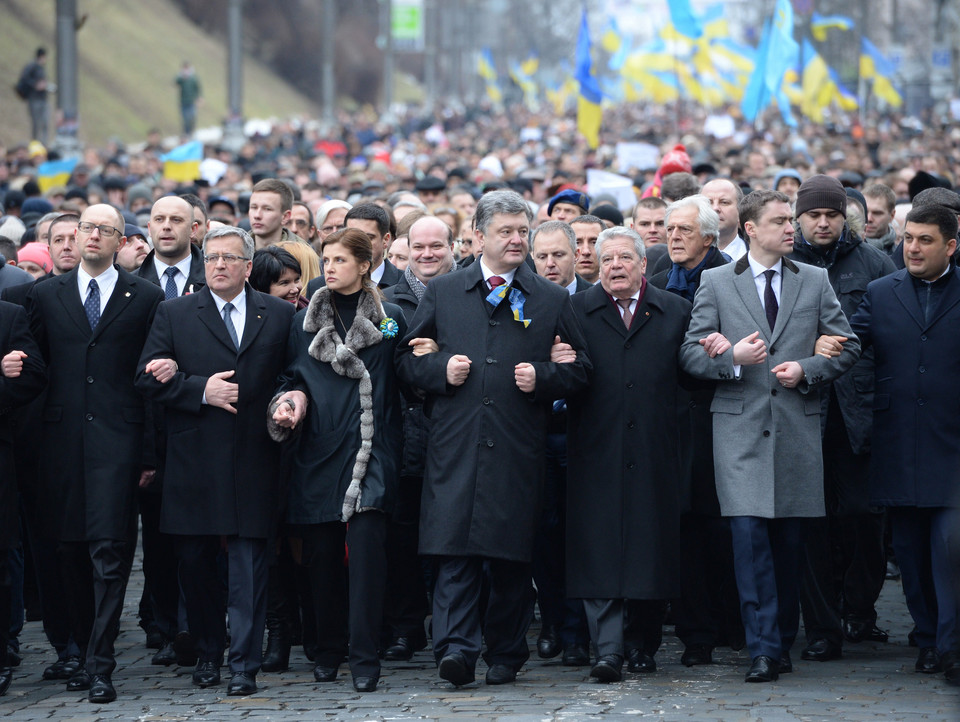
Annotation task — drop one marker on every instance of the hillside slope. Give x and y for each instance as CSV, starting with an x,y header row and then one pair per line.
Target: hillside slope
x,y
129,53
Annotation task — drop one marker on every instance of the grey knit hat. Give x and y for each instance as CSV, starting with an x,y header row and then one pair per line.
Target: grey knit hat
x,y
821,191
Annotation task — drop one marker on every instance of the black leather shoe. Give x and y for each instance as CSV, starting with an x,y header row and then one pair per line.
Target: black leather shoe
x,y
697,654
165,656
548,644
403,649
155,640
501,674
763,669
6,676
185,648
276,658
640,662
13,657
950,663
821,650
242,684
324,674
454,669
62,668
608,669
855,631
929,661
365,684
786,664
576,655
101,689
79,682
207,674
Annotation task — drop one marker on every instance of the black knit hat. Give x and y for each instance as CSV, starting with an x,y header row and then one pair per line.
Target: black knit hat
x,y
821,191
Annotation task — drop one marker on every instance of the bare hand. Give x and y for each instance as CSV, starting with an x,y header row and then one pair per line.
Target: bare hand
x,y
457,369
423,346
789,374
291,408
162,369
526,377
221,393
715,344
562,353
12,364
750,350
829,346
146,477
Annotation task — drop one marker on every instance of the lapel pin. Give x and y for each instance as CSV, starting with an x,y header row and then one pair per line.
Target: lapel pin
x,y
127,294
259,316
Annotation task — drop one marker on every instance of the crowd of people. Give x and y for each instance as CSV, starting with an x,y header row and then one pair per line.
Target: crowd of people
x,y
403,387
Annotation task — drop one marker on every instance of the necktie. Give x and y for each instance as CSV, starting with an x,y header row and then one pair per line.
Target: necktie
x,y
170,290
770,304
495,282
625,305
228,322
92,305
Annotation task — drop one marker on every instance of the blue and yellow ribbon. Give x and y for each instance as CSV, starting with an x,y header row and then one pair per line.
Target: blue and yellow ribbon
x,y
517,300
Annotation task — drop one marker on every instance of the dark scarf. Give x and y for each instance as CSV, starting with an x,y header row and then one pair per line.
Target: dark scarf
x,y
416,286
684,282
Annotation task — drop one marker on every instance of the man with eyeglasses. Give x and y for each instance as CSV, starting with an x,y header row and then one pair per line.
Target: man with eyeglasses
x,y
91,324
212,359
301,222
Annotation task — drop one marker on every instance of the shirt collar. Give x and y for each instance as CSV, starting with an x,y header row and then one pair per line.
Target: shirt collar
x,y
239,302
106,278
506,275
183,265
757,269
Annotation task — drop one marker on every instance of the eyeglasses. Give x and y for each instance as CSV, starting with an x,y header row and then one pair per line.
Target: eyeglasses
x,y
300,223
331,229
226,257
105,231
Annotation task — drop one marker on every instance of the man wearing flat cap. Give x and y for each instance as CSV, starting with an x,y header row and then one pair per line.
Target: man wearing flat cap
x,y
567,205
431,190
829,588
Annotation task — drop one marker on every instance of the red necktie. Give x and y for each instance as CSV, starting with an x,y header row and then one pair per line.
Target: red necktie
x,y
495,281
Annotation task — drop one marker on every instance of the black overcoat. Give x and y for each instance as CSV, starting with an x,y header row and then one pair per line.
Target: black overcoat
x,y
623,472
222,469
484,472
93,419
14,393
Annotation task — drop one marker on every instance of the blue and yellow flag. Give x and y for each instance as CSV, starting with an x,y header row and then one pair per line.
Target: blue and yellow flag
x,y
777,53
683,19
820,24
182,164
488,72
589,114
875,66
54,173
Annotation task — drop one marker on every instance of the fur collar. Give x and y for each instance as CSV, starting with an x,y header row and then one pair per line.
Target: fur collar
x,y
327,345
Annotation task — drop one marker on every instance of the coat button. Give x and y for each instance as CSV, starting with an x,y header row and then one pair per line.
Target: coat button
x,y
630,424
89,379
629,384
766,433
493,323
626,345
490,443
630,465
772,350
486,401
491,360
92,344
920,402
89,417
773,392
923,338
922,370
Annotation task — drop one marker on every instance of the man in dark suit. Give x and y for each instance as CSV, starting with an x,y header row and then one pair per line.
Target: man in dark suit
x,y
490,387
212,359
910,320
90,325
707,611
378,224
623,493
563,623
21,379
175,265
766,414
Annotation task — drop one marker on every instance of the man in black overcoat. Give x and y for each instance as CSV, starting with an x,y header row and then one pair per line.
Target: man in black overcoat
x,y
489,391
91,324
21,379
212,360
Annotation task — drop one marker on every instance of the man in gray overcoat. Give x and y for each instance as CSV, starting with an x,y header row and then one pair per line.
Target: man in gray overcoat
x,y
489,392
754,328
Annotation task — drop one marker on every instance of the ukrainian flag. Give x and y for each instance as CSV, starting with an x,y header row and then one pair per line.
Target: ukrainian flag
x,y
777,53
488,71
820,24
589,114
54,173
874,66
182,164
817,85
683,19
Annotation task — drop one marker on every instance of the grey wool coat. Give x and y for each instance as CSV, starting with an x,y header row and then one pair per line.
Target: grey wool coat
x,y
766,438
484,470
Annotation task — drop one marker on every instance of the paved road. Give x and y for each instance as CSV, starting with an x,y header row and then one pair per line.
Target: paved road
x,y
872,682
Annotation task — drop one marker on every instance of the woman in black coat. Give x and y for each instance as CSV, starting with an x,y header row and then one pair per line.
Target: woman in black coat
x,y
340,392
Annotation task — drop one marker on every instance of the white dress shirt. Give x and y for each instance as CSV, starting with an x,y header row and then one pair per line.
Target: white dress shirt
x,y
183,268
106,282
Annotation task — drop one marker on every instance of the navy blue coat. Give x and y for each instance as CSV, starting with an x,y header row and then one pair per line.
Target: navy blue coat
x,y
916,444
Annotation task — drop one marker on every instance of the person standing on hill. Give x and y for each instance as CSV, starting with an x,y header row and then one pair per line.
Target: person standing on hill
x,y
190,95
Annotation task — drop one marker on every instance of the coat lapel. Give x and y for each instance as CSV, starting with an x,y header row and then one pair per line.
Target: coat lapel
x,y
907,295
747,288
124,292
256,317
790,283
211,318
950,297
69,295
